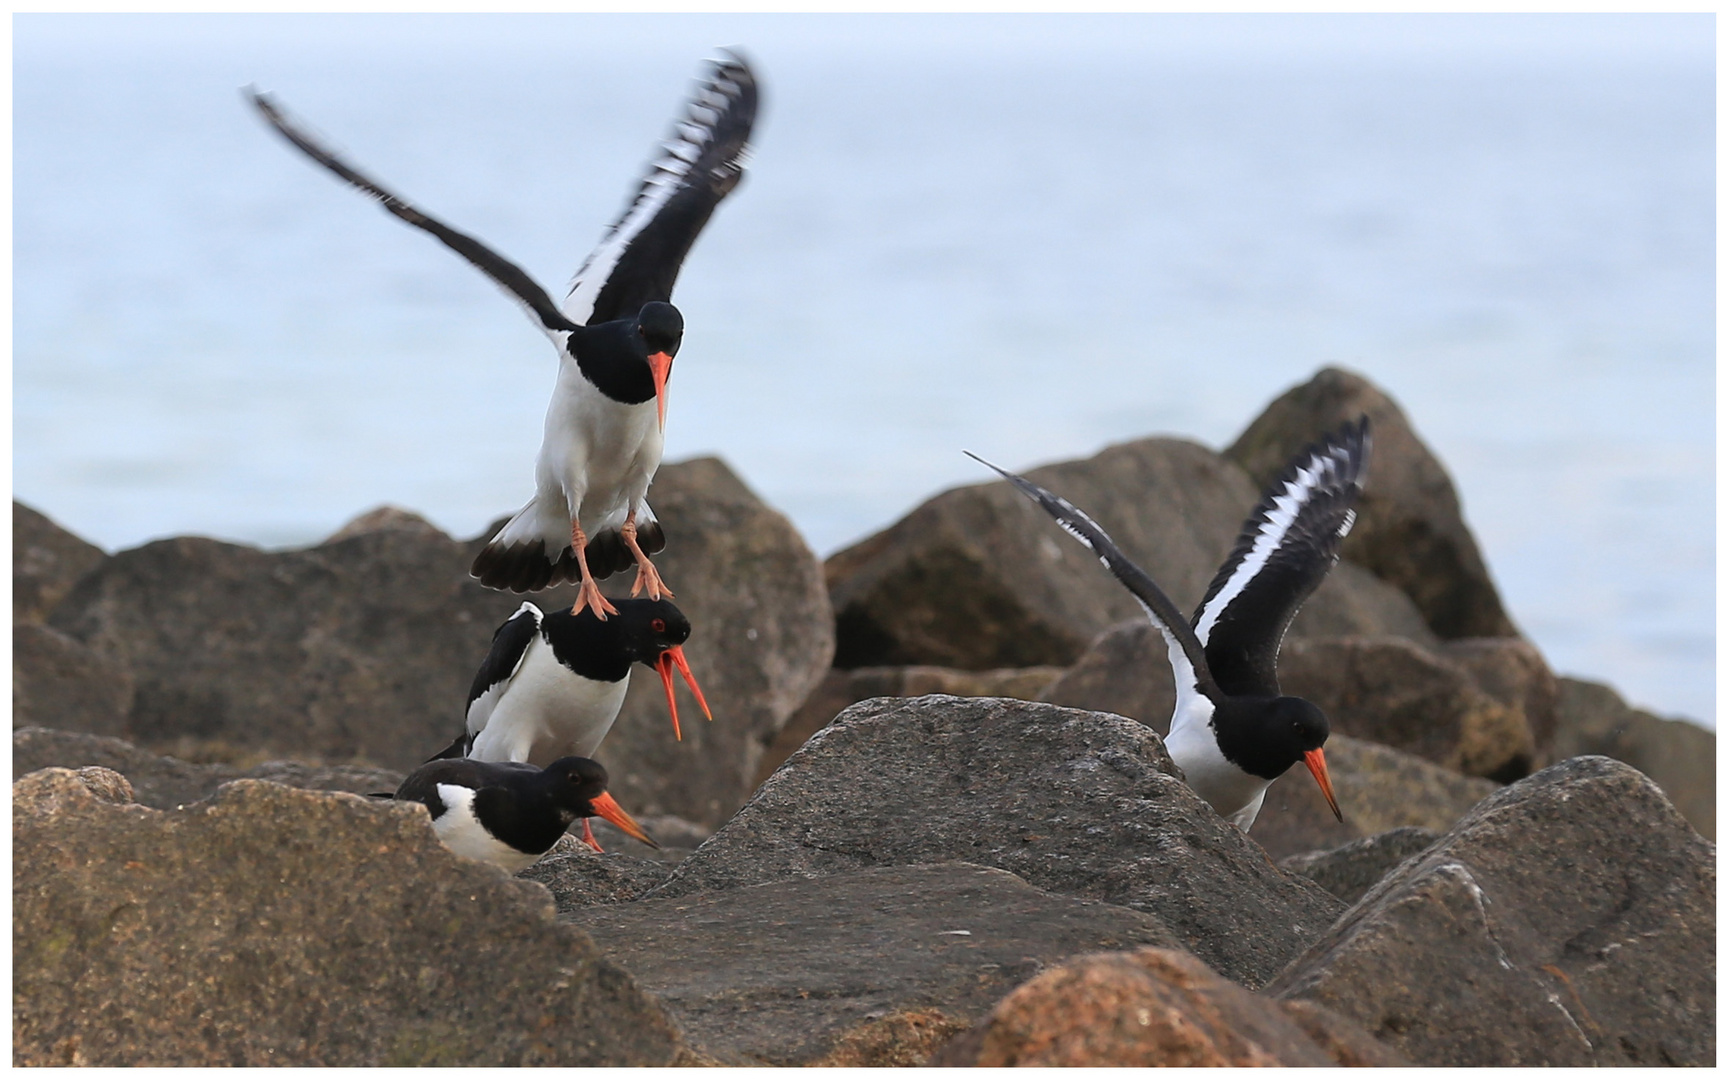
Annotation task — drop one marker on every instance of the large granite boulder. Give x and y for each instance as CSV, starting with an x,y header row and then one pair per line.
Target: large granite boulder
x,y
787,972
58,681
1378,789
1410,526
164,782
1569,919
362,648
1679,756
1083,804
46,562
271,926
979,577
1156,1007
1350,870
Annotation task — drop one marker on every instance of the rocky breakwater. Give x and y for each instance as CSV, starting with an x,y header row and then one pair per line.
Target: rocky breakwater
x,y
360,650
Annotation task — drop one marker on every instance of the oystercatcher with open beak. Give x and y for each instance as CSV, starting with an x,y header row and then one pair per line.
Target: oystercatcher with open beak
x,y
510,814
616,335
1232,731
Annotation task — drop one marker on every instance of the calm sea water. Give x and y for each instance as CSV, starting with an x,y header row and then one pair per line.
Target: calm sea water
x,y
1025,237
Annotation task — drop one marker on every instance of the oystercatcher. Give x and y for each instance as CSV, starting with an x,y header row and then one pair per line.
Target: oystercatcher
x,y
1232,731
510,814
552,685
616,335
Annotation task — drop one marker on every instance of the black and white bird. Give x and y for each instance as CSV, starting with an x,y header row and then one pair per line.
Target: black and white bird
x,y
616,335
552,684
1233,732
510,814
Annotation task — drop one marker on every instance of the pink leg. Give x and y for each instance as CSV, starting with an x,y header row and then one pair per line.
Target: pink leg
x,y
588,838
646,576
588,593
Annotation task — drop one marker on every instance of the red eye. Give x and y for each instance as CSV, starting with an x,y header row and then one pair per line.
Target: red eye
x,y
659,626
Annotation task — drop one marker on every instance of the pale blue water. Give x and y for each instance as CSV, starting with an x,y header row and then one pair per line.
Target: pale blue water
x,y
1027,237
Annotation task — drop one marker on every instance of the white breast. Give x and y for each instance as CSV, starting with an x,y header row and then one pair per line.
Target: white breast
x,y
1235,794
597,451
462,832
547,712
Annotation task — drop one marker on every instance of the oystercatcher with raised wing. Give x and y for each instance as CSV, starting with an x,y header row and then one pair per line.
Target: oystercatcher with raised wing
x,y
552,684
1233,732
510,814
616,335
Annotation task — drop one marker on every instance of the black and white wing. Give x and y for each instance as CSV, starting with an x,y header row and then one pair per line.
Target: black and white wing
x,y
509,648
421,785
1187,657
639,257
1287,546
507,274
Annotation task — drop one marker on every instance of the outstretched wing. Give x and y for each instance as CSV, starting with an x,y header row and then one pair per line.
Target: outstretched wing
x,y
1287,546
509,647
1187,657
513,278
639,257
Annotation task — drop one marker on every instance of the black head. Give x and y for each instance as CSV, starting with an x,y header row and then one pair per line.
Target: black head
x,y
660,328
1265,736
576,782
647,628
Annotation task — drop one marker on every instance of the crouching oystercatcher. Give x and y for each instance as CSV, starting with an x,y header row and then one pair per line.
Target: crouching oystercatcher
x,y
509,814
552,684
616,335
1232,731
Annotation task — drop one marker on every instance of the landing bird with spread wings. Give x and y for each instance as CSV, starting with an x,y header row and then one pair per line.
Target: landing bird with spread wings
x,y
1233,732
616,335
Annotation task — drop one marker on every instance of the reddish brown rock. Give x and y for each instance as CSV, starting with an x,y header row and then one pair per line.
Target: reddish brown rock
x,y
1410,527
1154,1007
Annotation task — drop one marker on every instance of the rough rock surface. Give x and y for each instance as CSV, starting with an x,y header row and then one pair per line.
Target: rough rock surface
x,y
1154,1007
1378,789
1410,526
60,682
1084,804
362,648
780,973
271,926
979,577
841,688
1513,672
167,782
1679,756
1569,919
579,878
1401,695
1349,871
46,562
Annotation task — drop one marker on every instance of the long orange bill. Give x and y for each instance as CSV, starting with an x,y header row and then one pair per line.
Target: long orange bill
x,y
661,365
675,655
608,808
1316,762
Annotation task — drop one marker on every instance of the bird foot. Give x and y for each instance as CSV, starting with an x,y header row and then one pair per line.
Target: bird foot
x,y
649,578
588,838
588,595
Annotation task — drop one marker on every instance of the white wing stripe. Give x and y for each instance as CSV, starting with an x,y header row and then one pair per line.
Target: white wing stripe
x,y
1286,507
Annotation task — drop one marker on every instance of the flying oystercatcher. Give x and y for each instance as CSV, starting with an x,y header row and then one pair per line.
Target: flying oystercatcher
x,y
552,685
510,814
616,335
1232,731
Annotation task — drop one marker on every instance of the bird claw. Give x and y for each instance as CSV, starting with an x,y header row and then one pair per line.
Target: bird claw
x,y
588,595
649,578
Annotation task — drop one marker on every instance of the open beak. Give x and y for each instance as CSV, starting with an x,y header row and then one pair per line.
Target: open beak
x,y
607,807
661,365
1316,762
675,655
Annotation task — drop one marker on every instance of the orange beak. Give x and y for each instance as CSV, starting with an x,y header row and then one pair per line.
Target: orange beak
x,y
605,806
1316,762
675,655
661,365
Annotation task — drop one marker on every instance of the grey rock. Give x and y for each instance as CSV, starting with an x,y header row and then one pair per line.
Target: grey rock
x,y
840,688
271,926
979,577
579,878
46,561
1378,788
1349,871
1083,804
1569,919
783,973
1678,755
362,649
60,682
164,782
1410,528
